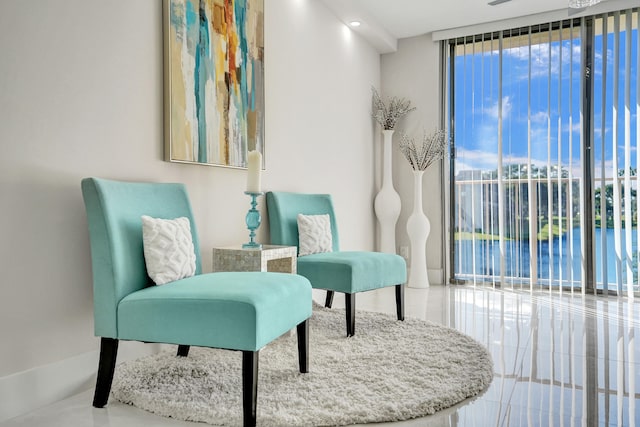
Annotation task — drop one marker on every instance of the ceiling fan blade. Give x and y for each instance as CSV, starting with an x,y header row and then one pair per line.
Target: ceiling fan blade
x,y
496,2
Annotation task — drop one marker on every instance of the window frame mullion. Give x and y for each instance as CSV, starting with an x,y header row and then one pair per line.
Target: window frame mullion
x,y
587,219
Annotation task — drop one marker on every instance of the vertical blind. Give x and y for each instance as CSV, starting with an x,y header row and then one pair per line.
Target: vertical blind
x,y
545,124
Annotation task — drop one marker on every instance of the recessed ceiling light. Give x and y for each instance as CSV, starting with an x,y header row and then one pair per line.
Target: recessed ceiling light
x,y
355,23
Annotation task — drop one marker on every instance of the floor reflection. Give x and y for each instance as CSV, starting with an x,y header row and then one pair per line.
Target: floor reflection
x,y
559,359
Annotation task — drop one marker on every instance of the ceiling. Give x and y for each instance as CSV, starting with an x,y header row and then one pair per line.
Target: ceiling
x,y
408,18
386,21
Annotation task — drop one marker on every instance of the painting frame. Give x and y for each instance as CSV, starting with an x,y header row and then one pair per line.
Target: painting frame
x,y
213,81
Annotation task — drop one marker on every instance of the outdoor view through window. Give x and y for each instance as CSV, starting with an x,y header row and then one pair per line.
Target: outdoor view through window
x,y
527,119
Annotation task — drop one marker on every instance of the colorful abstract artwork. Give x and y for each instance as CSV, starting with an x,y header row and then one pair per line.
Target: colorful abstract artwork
x,y
214,80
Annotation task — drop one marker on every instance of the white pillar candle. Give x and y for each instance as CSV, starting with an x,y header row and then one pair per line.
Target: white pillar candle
x,y
254,167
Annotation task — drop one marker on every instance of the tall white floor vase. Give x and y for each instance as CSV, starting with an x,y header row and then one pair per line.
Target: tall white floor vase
x,y
418,228
387,203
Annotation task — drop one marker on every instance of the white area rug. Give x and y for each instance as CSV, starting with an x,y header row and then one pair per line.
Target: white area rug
x,y
388,371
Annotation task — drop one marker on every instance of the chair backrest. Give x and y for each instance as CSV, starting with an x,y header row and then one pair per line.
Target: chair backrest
x,y
283,209
114,211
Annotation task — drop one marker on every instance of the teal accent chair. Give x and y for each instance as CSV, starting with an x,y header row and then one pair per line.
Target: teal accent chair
x,y
241,311
348,272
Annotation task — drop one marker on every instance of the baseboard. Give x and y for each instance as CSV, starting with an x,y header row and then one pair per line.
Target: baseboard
x,y
29,390
435,276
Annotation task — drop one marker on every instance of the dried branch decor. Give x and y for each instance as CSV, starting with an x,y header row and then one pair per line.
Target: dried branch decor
x,y
422,156
388,114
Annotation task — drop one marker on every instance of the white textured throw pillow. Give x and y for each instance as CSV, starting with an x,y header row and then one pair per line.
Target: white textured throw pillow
x,y
168,249
314,234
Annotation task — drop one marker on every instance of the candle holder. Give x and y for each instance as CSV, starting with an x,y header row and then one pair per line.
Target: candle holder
x,y
253,219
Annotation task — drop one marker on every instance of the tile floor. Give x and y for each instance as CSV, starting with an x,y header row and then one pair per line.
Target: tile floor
x,y
567,360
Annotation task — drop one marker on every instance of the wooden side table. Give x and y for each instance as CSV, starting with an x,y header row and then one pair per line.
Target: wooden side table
x,y
274,258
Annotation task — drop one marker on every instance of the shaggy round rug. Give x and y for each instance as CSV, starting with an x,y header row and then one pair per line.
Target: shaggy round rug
x,y
388,371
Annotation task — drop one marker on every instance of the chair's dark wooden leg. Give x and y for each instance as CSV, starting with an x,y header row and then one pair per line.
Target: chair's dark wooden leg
x,y
350,302
106,367
329,300
400,301
183,350
303,346
249,387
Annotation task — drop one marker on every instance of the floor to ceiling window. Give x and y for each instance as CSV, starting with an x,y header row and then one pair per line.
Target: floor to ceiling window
x,y
545,124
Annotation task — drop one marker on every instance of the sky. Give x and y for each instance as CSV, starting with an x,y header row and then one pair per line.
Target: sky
x,y
554,95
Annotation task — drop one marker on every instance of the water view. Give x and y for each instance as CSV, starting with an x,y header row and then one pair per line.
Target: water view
x,y
561,262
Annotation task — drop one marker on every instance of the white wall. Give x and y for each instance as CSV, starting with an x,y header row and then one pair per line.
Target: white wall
x,y
81,95
412,72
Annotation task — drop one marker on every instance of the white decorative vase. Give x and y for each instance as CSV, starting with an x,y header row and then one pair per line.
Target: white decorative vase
x,y
418,228
387,203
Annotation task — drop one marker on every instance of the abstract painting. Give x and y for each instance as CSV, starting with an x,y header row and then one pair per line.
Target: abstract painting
x,y
214,80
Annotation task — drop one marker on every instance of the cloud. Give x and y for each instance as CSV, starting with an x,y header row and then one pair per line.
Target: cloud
x,y
467,160
574,126
475,160
488,161
507,107
481,160
540,117
542,56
